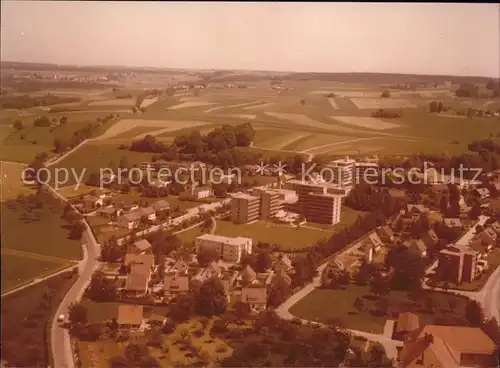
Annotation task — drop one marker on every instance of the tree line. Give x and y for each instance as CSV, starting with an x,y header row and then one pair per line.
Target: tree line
x,y
27,101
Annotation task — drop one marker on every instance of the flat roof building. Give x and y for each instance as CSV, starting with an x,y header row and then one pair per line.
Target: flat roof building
x,y
244,208
230,249
323,208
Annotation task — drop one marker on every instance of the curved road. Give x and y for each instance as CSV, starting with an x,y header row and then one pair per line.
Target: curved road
x,y
60,341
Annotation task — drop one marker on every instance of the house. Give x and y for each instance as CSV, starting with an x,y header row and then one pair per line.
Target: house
x,y
128,206
145,259
430,238
248,275
482,193
212,270
179,267
147,212
159,183
385,233
439,189
496,227
201,192
453,222
175,285
405,324
415,210
374,241
142,245
495,204
108,212
255,297
283,264
161,206
129,220
137,283
447,347
130,316
488,236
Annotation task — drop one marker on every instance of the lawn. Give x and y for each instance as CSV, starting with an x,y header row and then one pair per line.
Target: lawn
x,y
26,317
18,270
347,217
341,307
285,237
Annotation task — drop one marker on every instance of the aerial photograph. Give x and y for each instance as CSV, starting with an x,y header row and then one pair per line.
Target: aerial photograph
x,y
244,184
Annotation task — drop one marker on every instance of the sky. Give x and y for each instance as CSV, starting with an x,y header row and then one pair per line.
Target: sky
x,y
428,38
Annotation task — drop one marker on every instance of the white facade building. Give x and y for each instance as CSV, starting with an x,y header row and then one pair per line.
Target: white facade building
x,y
230,249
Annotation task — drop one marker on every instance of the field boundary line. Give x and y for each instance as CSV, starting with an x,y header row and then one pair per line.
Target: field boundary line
x,y
38,256
38,280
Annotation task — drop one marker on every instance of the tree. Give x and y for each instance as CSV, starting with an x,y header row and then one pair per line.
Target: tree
x,y
358,304
211,299
77,230
135,352
206,255
475,211
18,125
385,94
429,304
101,288
63,120
303,102
377,357
409,268
124,163
474,313
452,303
278,293
263,262
78,314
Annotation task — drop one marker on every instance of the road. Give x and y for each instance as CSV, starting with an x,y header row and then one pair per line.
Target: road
x,y
489,296
284,312
60,341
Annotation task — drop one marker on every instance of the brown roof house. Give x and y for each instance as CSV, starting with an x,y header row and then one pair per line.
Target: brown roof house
x,y
160,206
174,285
447,347
142,245
406,323
385,233
255,297
137,283
129,220
133,258
130,316
248,275
453,222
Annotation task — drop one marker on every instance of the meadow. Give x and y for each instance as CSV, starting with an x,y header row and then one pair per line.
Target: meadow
x,y
311,307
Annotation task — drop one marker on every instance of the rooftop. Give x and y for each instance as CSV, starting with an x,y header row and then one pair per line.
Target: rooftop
x,y
240,240
130,314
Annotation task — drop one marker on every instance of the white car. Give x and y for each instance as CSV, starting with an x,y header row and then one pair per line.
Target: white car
x,y
60,318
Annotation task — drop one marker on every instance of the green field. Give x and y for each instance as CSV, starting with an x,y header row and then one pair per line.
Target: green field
x,y
285,237
312,307
36,243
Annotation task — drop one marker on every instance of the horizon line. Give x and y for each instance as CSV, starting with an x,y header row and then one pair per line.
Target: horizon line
x,y
243,70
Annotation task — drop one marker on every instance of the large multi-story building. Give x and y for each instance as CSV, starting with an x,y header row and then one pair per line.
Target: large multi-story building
x,y
323,208
341,172
245,208
366,172
270,202
457,264
230,249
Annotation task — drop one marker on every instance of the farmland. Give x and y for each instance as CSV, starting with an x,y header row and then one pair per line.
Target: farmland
x,y
299,119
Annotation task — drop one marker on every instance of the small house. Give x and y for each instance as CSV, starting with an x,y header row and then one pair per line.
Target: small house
x,y
130,316
255,297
